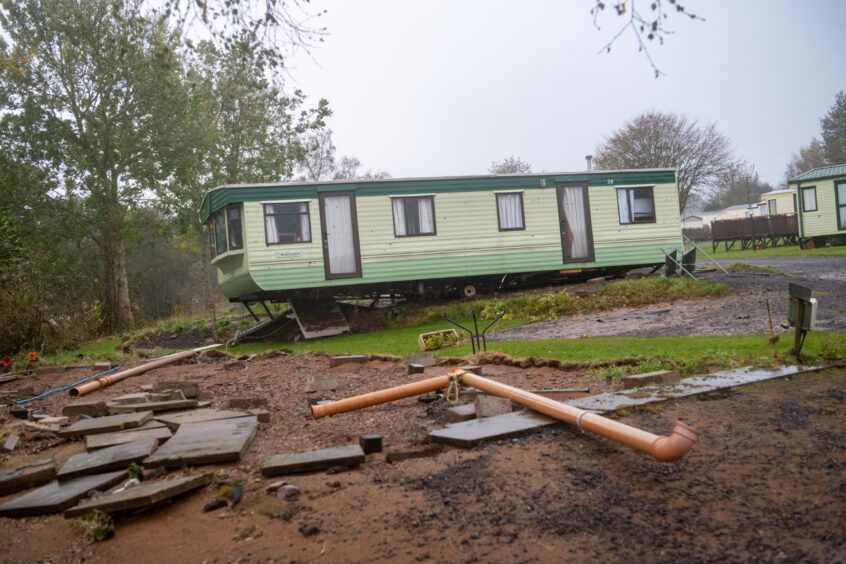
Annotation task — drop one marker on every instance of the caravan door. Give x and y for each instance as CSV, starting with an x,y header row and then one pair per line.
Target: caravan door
x,y
341,254
574,218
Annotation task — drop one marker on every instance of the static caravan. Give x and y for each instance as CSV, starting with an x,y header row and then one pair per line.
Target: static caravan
x,y
822,205
777,202
353,238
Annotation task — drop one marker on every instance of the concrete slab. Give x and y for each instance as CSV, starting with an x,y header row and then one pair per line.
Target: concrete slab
x,y
310,461
347,359
26,477
206,442
321,382
490,406
319,319
108,424
55,497
105,459
154,406
129,399
144,496
89,408
151,429
174,420
11,442
646,378
471,433
459,413
191,390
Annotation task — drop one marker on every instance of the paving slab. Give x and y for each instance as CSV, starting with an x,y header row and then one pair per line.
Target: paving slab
x,y
174,420
109,458
310,461
154,406
206,442
191,390
26,477
459,413
470,433
646,378
55,497
321,382
151,429
108,424
89,408
348,359
490,406
144,496
11,442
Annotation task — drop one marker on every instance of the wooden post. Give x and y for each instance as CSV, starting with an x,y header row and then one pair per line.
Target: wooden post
x,y
799,325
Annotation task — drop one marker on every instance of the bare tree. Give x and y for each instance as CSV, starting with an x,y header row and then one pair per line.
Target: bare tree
x,y
739,185
510,165
701,154
319,160
808,157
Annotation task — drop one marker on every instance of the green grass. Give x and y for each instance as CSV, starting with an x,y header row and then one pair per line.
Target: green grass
x,y
786,251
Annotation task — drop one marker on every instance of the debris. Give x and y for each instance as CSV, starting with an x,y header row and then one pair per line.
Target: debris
x,y
109,458
216,503
143,496
370,443
428,398
39,428
55,497
274,486
131,483
262,415
292,463
416,368
458,413
207,442
190,390
474,368
308,530
489,406
425,359
90,408
108,424
421,452
151,429
19,412
11,442
321,382
658,377
54,421
246,403
346,359
231,491
288,492
175,420
155,406
28,476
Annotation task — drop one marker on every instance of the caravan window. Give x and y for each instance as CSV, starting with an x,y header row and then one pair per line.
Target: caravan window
x,y
287,223
509,212
772,207
809,199
219,233
233,227
636,205
414,216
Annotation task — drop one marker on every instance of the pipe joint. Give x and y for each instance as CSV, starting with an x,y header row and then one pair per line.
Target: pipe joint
x,y
672,448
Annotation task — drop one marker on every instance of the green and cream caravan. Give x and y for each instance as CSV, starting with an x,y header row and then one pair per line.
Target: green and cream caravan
x,y
822,205
293,241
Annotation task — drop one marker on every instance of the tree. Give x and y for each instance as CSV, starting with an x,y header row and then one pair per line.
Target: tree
x,y
510,165
834,131
739,185
92,107
319,160
809,157
701,154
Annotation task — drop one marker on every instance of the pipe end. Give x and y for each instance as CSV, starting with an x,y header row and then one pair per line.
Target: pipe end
x,y
674,447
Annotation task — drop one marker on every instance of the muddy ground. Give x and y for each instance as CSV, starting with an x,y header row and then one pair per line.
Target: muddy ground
x,y
742,310
767,482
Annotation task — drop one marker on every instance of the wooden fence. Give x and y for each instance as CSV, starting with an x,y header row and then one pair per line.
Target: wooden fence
x,y
757,232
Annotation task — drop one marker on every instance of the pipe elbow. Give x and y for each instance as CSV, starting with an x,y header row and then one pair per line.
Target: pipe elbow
x,y
672,448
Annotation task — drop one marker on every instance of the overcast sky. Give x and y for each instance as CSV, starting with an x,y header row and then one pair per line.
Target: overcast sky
x,y
433,88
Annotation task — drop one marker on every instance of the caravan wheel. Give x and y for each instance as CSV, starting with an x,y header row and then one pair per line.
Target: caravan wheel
x,y
469,291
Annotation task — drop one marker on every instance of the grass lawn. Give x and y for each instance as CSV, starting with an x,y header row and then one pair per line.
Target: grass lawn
x,y
786,251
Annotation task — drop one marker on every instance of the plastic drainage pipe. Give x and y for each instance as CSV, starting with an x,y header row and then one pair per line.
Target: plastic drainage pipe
x,y
663,448
101,383
382,396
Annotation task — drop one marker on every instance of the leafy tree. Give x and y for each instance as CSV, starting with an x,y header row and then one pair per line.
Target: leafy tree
x,y
91,107
510,165
809,157
701,154
834,131
318,163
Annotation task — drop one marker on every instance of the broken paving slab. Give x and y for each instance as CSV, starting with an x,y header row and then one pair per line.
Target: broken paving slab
x,y
312,460
108,424
26,477
175,420
191,390
154,406
105,459
459,413
89,408
151,429
206,442
144,496
55,497
470,433
321,382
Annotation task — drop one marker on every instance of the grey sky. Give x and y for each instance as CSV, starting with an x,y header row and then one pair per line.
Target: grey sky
x,y
444,87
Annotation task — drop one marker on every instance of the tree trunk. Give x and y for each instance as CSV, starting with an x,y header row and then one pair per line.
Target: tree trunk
x,y
118,308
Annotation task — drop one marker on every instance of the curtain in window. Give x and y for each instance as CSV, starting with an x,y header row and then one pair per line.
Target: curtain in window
x,y
623,206
510,211
270,226
427,217
399,216
305,233
809,199
220,233
572,200
841,199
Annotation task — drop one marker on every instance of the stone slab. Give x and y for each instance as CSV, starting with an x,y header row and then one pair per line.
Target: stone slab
x,y
263,415
490,406
206,442
144,496
158,431
471,433
26,477
11,442
129,399
106,459
459,413
310,461
321,382
415,369
323,318
108,424
191,390
55,497
348,358
174,420
89,408
370,443
646,378
154,406
424,451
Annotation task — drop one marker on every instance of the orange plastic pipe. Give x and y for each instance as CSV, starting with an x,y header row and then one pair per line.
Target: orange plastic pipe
x,y
101,383
663,448
382,396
